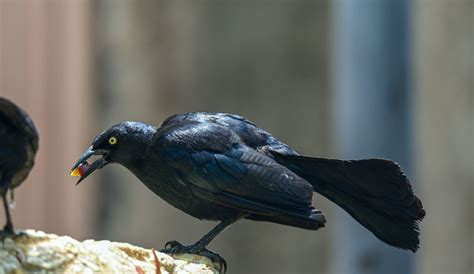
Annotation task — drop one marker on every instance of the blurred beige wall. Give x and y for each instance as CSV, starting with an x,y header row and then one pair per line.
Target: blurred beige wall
x,y
45,69
151,59
444,74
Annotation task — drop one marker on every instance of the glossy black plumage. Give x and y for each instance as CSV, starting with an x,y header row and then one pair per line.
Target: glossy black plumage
x,y
219,166
18,146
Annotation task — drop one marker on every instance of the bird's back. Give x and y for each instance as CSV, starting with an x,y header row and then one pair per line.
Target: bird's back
x,y
20,121
18,143
249,133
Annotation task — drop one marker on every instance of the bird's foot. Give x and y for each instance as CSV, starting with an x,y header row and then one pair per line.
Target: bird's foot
x,y
174,247
8,232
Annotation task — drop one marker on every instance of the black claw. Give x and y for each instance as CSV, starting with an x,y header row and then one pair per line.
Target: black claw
x,y
171,244
6,234
19,234
7,229
216,258
174,247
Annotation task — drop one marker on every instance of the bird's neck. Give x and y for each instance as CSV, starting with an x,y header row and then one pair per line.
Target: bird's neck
x,y
142,138
146,138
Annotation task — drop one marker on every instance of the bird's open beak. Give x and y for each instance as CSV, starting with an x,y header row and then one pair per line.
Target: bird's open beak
x,y
83,169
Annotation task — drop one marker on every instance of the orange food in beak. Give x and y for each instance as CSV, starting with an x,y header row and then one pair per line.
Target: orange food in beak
x,y
80,170
75,172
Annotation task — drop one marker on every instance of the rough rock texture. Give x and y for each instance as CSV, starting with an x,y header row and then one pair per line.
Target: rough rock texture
x,y
38,251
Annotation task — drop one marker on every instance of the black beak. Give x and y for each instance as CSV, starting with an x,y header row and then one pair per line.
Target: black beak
x,y
98,164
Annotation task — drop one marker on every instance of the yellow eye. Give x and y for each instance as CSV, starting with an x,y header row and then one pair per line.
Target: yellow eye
x,y
113,140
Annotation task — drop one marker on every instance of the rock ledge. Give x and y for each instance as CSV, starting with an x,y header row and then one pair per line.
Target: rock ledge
x,y
38,251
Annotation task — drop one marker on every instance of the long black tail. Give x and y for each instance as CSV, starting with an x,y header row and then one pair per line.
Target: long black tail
x,y
375,192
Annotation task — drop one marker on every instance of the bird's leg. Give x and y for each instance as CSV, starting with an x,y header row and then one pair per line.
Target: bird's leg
x,y
205,240
174,247
8,229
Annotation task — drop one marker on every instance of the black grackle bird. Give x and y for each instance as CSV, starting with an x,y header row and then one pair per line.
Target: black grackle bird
x,y
217,166
18,146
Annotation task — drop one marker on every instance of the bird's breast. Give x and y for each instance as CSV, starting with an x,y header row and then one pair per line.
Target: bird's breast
x,y
165,183
161,181
23,172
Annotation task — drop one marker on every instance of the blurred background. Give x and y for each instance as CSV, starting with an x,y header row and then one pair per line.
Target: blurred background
x,y
346,79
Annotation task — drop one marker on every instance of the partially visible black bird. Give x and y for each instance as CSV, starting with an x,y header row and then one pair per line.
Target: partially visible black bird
x,y
18,146
218,166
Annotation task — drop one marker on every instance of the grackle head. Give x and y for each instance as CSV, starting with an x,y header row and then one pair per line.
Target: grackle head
x,y
122,143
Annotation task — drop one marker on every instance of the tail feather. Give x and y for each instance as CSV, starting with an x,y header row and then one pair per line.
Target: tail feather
x,y
375,192
313,221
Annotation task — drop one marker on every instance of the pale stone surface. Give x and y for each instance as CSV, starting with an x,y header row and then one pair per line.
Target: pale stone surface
x,y
38,251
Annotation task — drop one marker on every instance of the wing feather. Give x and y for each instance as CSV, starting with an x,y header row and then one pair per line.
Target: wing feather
x,y
232,173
